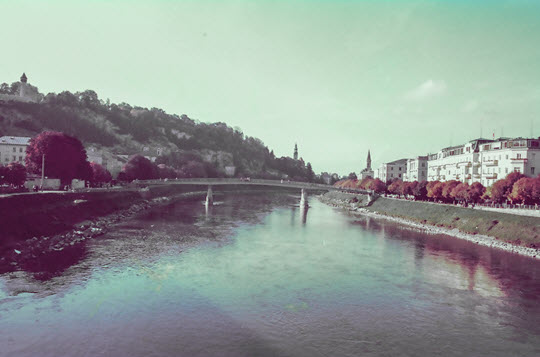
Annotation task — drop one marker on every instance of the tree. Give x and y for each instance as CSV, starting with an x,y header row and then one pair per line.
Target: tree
x,y
475,192
447,189
139,168
395,187
352,176
434,190
99,174
16,174
193,169
460,192
309,172
377,186
526,190
65,157
420,191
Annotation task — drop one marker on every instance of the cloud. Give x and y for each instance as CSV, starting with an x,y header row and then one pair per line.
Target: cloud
x,y
429,89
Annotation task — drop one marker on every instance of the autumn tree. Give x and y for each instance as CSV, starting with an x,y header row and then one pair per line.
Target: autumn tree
x,y
420,190
460,192
447,189
65,156
377,186
395,187
475,192
434,190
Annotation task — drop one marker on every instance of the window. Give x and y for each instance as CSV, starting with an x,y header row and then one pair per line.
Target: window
x,y
519,156
532,170
399,175
20,149
423,164
14,157
20,158
516,169
14,149
506,157
506,170
400,169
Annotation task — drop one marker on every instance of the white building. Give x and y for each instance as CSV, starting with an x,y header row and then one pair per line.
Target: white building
x,y
416,169
503,156
392,170
13,149
485,161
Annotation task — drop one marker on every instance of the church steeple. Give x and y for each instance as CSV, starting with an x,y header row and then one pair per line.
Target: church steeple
x,y
295,156
368,160
23,78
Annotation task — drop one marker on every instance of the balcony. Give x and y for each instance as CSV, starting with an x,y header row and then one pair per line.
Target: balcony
x,y
492,177
476,163
492,162
519,159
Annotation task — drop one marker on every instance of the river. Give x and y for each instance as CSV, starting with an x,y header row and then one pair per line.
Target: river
x,y
255,275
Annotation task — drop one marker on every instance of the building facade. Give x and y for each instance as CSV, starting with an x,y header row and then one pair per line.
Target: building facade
x,y
392,170
416,169
13,149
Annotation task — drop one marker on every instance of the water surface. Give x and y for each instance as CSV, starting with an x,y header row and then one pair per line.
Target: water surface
x,y
257,276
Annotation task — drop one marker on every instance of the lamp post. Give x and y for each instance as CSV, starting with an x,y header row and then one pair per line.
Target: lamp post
x,y
42,169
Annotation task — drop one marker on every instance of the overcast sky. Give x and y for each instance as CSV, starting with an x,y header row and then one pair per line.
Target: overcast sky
x,y
402,78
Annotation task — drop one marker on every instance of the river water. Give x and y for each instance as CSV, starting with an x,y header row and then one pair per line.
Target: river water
x,y
257,276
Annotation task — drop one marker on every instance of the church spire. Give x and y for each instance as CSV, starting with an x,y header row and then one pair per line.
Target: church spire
x,y
295,156
23,78
368,160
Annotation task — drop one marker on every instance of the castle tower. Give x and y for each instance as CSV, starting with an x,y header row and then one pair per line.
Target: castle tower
x,y
295,156
22,87
368,161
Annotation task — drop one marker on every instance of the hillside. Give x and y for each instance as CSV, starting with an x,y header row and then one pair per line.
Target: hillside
x,y
126,129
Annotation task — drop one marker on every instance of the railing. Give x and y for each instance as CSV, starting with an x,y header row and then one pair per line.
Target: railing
x,y
492,162
236,181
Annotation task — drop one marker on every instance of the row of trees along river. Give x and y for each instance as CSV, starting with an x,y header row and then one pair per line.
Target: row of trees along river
x,y
516,188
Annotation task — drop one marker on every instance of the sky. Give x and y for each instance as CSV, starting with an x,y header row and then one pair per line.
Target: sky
x,y
338,77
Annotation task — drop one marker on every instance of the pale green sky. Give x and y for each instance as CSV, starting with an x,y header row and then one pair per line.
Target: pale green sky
x,y
402,78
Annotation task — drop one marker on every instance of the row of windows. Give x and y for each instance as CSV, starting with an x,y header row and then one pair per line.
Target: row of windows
x,y
20,149
14,159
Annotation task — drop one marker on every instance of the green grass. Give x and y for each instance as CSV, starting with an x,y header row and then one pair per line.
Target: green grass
x,y
515,229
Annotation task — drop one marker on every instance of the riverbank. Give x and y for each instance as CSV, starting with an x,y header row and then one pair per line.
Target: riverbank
x,y
517,234
30,254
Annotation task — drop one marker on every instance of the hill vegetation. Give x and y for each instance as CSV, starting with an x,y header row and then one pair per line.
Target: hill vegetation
x,y
126,129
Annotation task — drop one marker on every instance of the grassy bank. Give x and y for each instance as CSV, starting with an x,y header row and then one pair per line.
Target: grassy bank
x,y
513,229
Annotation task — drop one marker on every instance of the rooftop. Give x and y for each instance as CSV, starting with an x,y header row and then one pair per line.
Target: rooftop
x,y
14,140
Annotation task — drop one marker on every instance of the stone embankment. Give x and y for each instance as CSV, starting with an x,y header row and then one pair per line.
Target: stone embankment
x,y
517,234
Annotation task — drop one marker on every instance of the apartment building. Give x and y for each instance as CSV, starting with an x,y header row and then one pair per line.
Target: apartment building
x,y
391,170
13,149
416,169
505,155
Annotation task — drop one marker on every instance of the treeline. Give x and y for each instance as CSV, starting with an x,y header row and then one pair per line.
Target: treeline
x,y
128,128
515,188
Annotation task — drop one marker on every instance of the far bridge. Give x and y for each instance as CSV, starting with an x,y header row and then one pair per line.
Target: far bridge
x,y
303,186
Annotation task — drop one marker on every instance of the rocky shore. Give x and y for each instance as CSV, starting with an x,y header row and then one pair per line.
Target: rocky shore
x,y
357,205
26,254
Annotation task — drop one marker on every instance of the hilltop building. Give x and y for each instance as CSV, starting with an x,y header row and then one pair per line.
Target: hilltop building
x,y
13,149
367,172
27,93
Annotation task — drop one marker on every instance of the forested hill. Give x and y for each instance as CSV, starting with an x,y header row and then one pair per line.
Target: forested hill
x,y
126,129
